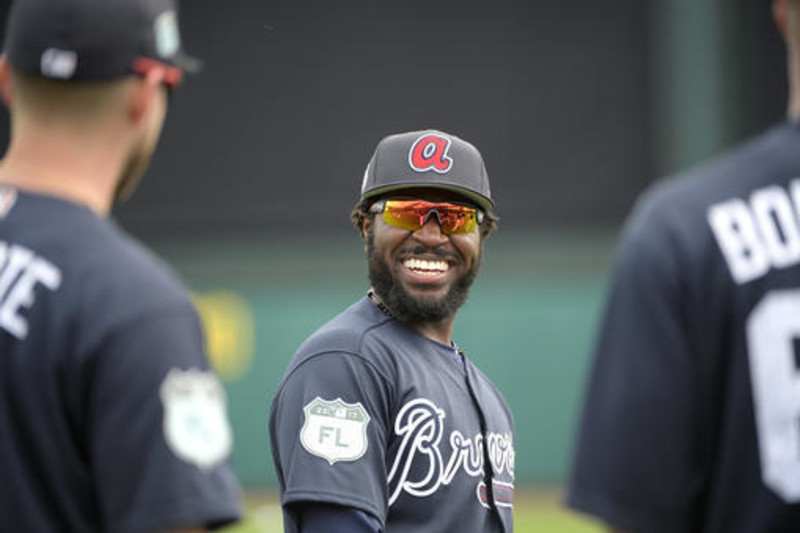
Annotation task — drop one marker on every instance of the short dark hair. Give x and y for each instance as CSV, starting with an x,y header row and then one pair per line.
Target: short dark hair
x,y
360,212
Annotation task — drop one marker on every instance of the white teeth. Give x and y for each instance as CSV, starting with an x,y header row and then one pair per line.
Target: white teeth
x,y
426,266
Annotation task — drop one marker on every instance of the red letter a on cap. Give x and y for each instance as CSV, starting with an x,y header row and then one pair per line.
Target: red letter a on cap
x,y
429,152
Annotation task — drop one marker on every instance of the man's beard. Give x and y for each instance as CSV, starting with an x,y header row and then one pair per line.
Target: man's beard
x,y
405,307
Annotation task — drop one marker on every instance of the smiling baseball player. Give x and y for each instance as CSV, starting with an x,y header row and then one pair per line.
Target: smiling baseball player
x,y
381,422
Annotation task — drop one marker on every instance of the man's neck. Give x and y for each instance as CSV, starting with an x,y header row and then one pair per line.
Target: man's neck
x,y
440,331
793,66
56,169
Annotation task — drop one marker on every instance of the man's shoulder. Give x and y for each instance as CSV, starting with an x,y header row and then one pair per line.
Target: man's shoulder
x,y
767,158
672,208
345,332
142,267
333,349
92,252
118,267
109,274
88,246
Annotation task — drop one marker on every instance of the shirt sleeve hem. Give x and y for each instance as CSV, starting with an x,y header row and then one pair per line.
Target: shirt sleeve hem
x,y
197,512
336,498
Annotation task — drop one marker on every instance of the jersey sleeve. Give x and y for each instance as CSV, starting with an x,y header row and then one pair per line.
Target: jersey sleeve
x,y
325,518
636,458
328,430
159,434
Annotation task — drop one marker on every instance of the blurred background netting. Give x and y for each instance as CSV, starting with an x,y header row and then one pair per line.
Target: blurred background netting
x,y
576,106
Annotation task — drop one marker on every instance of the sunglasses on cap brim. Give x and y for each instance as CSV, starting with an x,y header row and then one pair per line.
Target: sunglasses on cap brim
x,y
412,214
172,75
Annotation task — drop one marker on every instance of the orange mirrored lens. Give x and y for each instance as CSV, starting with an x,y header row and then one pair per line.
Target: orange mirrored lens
x,y
413,214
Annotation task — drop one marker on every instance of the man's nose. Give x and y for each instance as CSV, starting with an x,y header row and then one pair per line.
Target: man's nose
x,y
431,231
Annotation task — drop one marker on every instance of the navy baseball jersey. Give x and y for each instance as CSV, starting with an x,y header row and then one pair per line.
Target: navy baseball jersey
x,y
373,416
691,415
110,419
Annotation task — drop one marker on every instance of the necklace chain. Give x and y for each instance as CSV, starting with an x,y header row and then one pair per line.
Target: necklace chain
x,y
377,301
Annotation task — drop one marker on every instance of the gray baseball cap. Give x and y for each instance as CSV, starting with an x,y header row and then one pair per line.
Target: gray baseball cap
x,y
428,158
94,39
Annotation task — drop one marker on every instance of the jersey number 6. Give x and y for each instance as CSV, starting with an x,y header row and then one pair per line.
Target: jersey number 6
x,y
773,334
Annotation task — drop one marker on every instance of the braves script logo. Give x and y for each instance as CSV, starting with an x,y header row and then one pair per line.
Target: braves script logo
x,y
429,152
420,425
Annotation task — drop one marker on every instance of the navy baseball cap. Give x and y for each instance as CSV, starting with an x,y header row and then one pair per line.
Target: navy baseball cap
x,y
93,40
428,158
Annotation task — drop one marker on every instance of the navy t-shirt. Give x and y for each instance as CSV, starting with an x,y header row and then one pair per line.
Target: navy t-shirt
x,y
373,416
691,414
110,419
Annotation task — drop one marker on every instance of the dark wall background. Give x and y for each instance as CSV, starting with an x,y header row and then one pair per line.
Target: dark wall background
x,y
753,57
279,126
559,97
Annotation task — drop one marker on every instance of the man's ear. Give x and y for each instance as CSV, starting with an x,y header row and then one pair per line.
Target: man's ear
x,y
366,226
5,81
144,93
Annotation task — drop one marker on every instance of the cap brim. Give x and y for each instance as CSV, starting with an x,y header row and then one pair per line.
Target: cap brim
x,y
484,203
187,63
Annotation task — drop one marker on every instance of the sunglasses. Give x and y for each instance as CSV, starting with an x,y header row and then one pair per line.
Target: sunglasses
x,y
412,214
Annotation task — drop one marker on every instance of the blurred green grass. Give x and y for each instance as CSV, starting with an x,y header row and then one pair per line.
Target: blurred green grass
x,y
535,511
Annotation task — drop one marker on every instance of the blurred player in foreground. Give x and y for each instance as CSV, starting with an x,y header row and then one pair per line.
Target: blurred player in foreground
x,y
691,421
381,422
110,419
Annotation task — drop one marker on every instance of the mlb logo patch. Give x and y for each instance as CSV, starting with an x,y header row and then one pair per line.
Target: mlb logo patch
x,y
59,64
